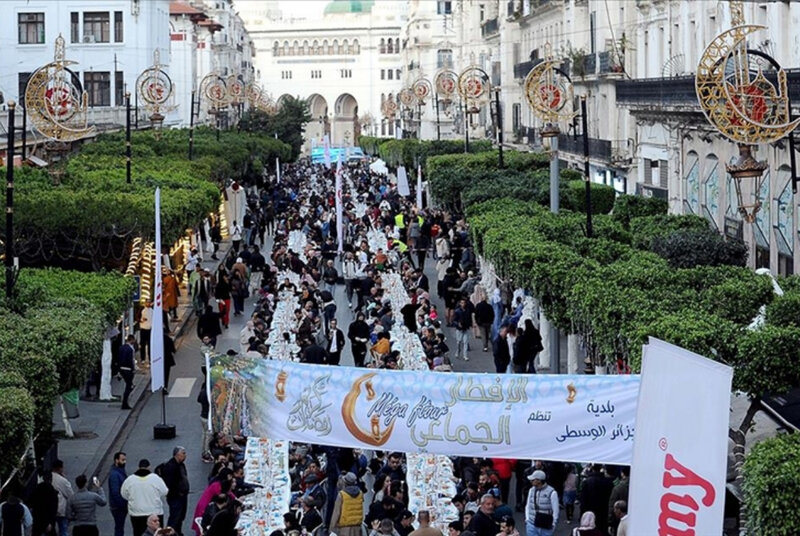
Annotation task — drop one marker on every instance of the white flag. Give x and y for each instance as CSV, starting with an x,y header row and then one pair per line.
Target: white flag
x,y
419,187
157,327
339,208
278,169
681,447
327,151
402,182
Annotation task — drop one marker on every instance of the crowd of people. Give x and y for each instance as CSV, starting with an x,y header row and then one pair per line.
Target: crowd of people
x,y
346,491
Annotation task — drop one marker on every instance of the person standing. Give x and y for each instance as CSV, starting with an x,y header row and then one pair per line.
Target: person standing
x,y
169,358
82,506
619,493
117,504
482,523
126,370
44,505
236,238
330,275
484,317
621,512
462,320
335,342
145,324
358,332
502,355
208,326
15,518
348,510
541,511
64,489
595,493
144,491
177,481
171,292
201,286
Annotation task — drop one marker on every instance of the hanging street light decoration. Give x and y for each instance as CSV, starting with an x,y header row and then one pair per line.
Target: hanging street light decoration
x,y
409,100
155,89
474,86
549,93
389,108
742,104
56,102
422,89
214,90
445,84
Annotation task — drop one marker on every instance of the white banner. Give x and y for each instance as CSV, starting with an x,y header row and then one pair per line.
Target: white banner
x,y
339,207
547,417
680,453
278,170
157,322
402,182
419,187
327,151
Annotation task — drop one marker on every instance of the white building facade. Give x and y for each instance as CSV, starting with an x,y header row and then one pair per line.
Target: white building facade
x,y
345,63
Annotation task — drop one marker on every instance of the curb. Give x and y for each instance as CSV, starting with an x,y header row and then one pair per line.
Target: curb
x,y
122,427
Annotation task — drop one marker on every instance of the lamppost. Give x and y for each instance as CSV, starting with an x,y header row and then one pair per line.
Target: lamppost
x,y
445,84
474,86
408,99
389,109
9,252
422,89
548,91
155,88
214,90
498,111
128,137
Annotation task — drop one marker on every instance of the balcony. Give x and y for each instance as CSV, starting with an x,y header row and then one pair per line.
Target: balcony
x,y
598,149
521,70
490,28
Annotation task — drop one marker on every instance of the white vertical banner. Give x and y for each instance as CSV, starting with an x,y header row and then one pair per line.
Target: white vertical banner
x,y
681,447
208,392
339,208
157,328
402,182
419,187
278,169
327,151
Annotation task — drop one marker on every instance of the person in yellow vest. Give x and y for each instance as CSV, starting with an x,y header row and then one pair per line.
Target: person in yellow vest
x,y
348,511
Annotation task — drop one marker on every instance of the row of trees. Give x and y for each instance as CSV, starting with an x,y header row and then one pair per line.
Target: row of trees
x,y
646,273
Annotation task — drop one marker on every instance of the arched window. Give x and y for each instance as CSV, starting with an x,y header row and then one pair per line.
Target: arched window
x,y
335,46
315,48
356,47
306,50
285,48
390,47
296,48
397,75
383,98
711,189
325,48
383,46
275,48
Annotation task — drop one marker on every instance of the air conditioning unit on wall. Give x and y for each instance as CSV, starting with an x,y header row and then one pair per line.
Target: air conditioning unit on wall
x,y
89,39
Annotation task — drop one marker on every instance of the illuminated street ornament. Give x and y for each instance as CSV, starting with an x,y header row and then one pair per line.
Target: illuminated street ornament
x,y
742,104
55,100
549,93
389,108
474,87
155,90
236,92
407,97
446,84
422,89
214,89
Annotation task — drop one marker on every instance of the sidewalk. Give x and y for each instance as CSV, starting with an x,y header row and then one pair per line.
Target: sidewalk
x,y
102,427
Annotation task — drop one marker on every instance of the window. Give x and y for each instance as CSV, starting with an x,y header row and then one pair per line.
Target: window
x,y
383,74
119,88
444,8
316,74
397,74
286,75
118,33
22,83
390,47
74,30
346,73
383,46
482,9
96,27
98,86
31,28
391,74
444,58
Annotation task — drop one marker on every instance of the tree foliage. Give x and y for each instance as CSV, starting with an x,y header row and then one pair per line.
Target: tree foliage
x,y
289,123
771,486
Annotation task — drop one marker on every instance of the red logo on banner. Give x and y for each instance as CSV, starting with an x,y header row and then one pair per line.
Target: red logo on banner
x,y
681,521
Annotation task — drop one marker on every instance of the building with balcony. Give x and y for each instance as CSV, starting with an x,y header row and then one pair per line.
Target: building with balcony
x,y
111,42
346,62
679,155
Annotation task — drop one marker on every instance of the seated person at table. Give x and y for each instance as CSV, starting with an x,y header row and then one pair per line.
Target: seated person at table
x,y
387,508
382,346
309,515
383,527
403,524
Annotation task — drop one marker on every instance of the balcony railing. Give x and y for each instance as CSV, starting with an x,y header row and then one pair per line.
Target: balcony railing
x,y
599,149
490,28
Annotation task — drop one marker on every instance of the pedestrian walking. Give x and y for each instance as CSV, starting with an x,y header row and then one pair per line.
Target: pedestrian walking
x,y
44,505
216,237
462,320
116,502
358,332
144,491
15,517
542,509
82,506
64,489
335,342
171,291
126,370
145,325
208,326
175,477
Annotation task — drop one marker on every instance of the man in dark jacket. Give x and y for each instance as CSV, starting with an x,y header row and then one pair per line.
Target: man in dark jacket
x,y
595,492
482,523
118,505
502,355
173,473
208,325
335,342
126,368
484,317
358,332
619,493
44,505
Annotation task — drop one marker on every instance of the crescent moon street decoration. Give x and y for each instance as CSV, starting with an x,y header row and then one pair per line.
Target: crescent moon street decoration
x,y
215,90
549,93
407,97
374,437
155,87
446,84
389,108
422,89
744,108
473,86
55,101
235,89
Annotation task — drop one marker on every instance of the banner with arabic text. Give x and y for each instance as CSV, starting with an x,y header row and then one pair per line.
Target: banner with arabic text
x,y
549,417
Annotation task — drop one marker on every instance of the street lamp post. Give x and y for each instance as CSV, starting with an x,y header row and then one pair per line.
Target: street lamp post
x,y
128,137
10,202
438,125
499,125
585,122
191,125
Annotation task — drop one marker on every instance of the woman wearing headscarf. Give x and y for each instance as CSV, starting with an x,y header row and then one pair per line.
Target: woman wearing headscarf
x,y
587,526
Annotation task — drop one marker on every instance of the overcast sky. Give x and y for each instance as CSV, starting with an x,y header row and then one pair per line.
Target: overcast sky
x,y
303,8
